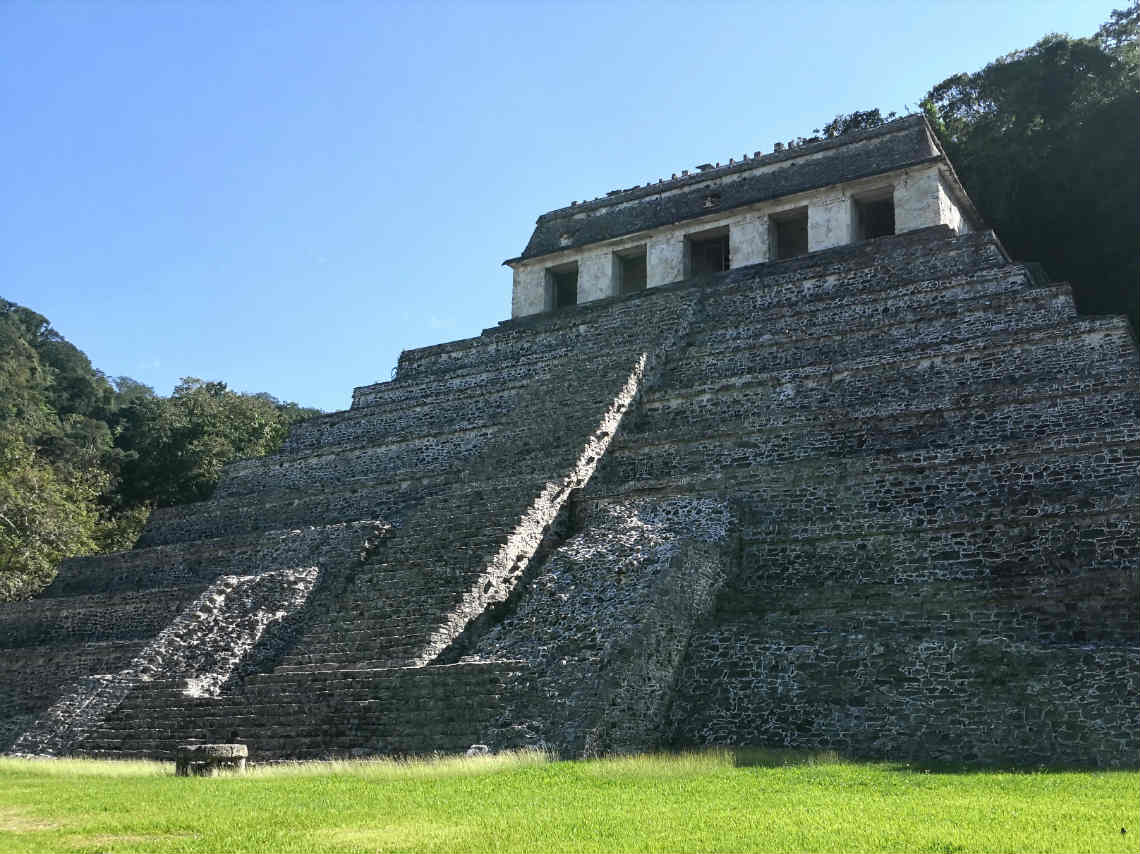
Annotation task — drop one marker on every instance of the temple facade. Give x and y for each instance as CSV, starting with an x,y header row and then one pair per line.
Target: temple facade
x,y
888,180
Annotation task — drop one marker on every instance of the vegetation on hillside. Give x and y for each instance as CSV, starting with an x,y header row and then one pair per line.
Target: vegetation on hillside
x,y
84,459
1045,141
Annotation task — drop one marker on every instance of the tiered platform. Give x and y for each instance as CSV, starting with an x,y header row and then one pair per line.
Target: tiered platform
x,y
882,498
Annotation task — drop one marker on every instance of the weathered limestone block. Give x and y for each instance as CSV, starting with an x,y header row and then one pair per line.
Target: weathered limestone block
x,y
596,276
210,760
829,222
748,240
923,198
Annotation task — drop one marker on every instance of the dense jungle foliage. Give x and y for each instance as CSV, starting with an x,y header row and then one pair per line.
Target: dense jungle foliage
x,y
84,459
1044,139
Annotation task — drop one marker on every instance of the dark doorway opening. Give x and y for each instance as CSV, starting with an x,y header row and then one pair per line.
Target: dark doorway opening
x,y
874,218
632,270
708,252
789,234
564,287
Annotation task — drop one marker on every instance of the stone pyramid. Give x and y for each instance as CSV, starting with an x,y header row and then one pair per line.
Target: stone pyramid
x,y
882,498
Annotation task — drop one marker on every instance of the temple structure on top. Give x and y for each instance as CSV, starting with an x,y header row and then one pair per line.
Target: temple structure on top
x,y
887,180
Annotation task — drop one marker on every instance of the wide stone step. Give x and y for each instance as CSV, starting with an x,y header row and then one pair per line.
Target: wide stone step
x,y
391,501
34,677
983,692
431,389
572,408
1092,606
1000,482
1054,545
432,454
532,360
477,407
975,321
1084,354
901,259
201,562
401,710
624,325
257,515
836,433
122,615
745,316
511,391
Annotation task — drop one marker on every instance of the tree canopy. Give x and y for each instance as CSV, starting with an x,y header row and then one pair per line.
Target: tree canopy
x,y
84,459
1045,141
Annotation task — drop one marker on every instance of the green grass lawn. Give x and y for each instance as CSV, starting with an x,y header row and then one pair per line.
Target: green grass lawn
x,y
712,801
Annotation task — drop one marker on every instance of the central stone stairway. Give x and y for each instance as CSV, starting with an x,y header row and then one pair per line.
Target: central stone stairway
x,y
880,499
462,467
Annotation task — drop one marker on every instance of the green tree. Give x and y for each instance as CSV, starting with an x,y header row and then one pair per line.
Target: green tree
x,y
179,445
849,122
76,387
45,516
1045,141
84,460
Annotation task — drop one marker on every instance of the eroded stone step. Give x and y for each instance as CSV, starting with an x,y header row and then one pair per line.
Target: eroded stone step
x,y
476,407
203,561
654,454
615,327
975,322
845,497
1078,346
729,320
1053,545
122,615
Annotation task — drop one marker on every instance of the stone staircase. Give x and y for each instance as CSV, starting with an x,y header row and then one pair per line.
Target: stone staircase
x,y
880,499
941,469
469,457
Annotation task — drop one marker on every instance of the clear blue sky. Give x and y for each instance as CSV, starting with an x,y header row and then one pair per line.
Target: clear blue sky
x,y
285,195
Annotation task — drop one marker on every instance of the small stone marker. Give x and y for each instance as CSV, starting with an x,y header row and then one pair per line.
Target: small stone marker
x,y
478,750
209,760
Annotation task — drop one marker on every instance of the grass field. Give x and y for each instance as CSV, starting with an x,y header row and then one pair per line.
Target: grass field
x,y
711,801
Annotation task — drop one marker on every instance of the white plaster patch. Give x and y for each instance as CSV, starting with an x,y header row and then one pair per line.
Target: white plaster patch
x,y
203,645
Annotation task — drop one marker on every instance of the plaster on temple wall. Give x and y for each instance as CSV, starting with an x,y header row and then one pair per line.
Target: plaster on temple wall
x,y
900,159
881,496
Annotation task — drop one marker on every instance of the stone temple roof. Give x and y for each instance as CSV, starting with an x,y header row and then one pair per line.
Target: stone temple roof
x,y
904,142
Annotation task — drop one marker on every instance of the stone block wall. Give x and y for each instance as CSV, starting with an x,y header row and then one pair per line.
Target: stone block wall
x,y
332,714
606,624
526,537
942,526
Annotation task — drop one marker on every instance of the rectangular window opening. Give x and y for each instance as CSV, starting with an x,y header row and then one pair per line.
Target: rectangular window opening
x,y
789,233
563,286
874,215
707,252
631,270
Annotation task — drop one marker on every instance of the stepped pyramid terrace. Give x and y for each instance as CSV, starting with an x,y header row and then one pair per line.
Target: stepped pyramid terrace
x,y
785,452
